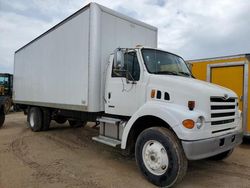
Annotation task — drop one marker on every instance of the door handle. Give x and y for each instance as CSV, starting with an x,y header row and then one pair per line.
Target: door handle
x,y
109,95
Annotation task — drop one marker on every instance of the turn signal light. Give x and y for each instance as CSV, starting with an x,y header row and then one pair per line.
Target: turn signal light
x,y
191,105
188,123
153,93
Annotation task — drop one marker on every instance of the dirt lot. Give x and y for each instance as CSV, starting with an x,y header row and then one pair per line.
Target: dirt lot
x,y
66,157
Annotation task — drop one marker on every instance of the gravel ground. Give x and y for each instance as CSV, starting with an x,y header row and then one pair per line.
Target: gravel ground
x,y
66,157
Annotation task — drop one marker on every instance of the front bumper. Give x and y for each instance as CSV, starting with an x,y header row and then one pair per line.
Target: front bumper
x,y
201,149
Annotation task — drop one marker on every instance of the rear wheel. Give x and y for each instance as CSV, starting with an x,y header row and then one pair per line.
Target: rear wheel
x,y
46,119
77,124
160,156
222,156
35,119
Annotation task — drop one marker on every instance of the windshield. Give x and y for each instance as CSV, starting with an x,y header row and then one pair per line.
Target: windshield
x,y
160,62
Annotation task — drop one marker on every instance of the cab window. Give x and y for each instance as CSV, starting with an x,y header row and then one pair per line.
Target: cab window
x,y
131,68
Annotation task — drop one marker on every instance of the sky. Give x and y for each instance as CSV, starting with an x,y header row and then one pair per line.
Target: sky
x,y
192,29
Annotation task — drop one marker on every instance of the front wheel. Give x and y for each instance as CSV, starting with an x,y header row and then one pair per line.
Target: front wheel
x,y
160,156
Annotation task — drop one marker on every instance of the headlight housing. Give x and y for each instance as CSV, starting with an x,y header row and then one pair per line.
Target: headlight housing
x,y
200,122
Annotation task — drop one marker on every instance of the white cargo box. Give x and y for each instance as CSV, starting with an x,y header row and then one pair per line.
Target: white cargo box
x,y
65,66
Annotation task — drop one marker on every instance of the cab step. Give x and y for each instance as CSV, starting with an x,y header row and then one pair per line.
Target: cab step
x,y
109,120
106,140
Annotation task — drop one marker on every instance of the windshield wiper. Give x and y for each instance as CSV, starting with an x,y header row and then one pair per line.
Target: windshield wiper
x,y
185,73
166,72
181,73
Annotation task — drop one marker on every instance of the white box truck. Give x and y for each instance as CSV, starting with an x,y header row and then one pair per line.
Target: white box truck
x,y
89,67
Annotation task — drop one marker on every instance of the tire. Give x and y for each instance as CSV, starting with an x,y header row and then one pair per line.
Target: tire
x,y
60,120
46,119
2,119
160,157
222,156
77,124
35,119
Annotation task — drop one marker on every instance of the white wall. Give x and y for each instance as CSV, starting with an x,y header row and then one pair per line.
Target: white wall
x,y
54,68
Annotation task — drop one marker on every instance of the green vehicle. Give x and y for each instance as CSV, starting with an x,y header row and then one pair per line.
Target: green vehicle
x,y
6,87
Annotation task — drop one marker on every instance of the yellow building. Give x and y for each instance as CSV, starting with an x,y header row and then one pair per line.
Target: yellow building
x,y
230,72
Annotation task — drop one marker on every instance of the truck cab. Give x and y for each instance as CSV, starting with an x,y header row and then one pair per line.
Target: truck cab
x,y
132,75
142,78
163,101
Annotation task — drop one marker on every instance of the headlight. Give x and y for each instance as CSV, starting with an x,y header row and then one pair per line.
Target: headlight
x,y
200,122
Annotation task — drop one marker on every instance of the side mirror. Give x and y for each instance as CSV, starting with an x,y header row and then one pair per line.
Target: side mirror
x,y
119,59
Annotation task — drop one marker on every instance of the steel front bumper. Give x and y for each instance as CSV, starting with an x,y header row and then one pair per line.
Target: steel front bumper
x,y
201,149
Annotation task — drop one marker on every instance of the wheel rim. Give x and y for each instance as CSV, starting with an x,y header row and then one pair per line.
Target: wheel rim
x,y
32,119
155,157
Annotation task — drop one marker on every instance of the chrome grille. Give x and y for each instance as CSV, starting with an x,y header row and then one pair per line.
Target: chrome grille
x,y
222,110
221,99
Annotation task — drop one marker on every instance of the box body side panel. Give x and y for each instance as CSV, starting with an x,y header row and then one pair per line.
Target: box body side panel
x,y
54,68
66,67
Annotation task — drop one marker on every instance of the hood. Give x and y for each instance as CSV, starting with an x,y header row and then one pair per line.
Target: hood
x,y
184,89
190,85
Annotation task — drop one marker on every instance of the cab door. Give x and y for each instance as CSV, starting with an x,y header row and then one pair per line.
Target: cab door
x,y
122,86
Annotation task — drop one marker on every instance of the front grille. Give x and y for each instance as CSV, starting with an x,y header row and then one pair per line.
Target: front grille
x,y
222,122
227,129
222,110
213,115
221,99
221,107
